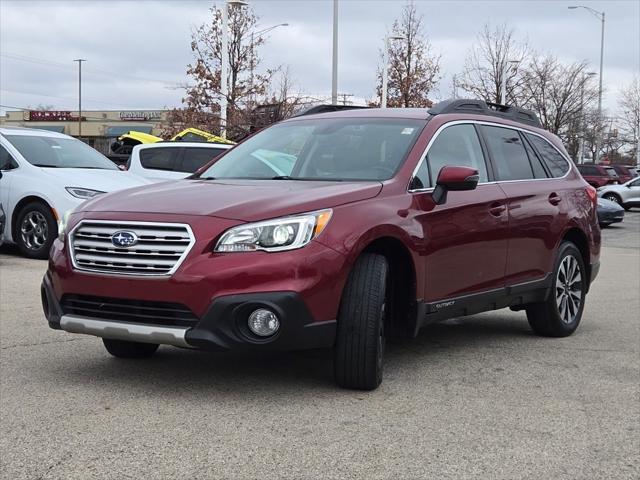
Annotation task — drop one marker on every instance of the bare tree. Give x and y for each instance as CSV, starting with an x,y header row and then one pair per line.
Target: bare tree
x,y
630,108
554,91
245,83
489,58
414,71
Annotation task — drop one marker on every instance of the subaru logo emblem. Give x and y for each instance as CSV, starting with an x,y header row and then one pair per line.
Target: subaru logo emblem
x,y
124,239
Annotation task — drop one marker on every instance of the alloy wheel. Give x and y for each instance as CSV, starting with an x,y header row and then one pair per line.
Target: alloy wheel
x,y
34,230
568,289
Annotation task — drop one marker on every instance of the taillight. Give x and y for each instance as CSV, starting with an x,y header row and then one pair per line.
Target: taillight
x,y
592,194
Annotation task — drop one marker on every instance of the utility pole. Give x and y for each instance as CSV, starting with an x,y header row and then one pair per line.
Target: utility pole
x,y
80,60
334,67
583,122
385,68
600,16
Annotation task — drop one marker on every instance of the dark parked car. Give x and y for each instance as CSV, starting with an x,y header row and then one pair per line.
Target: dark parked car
x,y
336,230
625,172
598,175
609,212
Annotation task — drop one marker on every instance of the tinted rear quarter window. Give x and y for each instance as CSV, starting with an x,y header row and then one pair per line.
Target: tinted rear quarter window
x,y
194,158
161,158
509,156
555,162
536,163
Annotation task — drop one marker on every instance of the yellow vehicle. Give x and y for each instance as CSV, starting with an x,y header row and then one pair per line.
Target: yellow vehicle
x,y
197,135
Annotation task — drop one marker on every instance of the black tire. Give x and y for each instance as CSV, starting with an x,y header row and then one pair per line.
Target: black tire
x,y
612,197
360,338
124,349
34,241
548,318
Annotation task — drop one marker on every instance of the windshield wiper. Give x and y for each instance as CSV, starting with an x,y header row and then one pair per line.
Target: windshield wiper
x,y
205,178
43,165
282,177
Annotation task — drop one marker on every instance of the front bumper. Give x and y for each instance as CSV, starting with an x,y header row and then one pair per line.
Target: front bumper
x,y
218,292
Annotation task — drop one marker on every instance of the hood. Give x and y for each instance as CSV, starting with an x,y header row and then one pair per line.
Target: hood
x,y
605,204
244,200
96,179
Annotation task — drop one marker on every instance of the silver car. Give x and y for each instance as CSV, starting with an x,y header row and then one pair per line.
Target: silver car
x,y
627,194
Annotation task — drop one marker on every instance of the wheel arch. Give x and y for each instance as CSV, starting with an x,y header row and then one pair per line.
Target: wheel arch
x,y
18,207
403,283
576,236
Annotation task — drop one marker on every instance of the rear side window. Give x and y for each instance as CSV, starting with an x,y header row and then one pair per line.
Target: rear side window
x,y
611,172
456,145
536,163
588,170
6,160
509,156
159,158
556,163
194,158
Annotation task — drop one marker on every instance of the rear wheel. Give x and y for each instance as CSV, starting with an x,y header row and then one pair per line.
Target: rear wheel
x,y
36,228
360,339
124,349
612,197
560,314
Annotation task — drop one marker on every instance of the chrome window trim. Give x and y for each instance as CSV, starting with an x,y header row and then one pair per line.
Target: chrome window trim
x,y
423,157
69,236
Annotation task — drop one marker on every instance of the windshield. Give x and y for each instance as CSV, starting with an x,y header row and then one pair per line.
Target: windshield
x,y
322,149
59,152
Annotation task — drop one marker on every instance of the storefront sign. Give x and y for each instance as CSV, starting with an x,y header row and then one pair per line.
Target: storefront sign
x,y
51,116
141,115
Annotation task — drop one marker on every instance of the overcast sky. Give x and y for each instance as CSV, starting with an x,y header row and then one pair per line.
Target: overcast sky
x,y
137,50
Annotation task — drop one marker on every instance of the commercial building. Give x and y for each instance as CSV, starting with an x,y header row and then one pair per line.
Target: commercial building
x,y
100,128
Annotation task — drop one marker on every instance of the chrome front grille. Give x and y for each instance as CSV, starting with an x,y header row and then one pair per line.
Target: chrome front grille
x,y
159,250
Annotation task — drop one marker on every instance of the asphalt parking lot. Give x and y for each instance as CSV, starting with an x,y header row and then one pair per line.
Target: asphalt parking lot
x,y
479,397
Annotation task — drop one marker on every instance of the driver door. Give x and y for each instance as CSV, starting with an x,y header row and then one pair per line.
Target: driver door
x,y
465,239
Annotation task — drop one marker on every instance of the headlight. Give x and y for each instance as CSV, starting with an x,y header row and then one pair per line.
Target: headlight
x,y
62,224
285,233
83,193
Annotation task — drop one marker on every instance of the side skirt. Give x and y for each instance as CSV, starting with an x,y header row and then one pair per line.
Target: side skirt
x,y
515,297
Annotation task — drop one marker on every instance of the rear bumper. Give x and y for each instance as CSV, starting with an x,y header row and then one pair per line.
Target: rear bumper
x,y
222,327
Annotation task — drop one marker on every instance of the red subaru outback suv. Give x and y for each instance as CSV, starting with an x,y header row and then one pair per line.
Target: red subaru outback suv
x,y
336,230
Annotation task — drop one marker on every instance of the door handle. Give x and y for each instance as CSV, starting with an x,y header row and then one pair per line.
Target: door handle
x,y
554,199
497,209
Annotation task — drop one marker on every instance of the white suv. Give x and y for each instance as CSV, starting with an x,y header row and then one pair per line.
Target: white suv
x,y
172,160
43,176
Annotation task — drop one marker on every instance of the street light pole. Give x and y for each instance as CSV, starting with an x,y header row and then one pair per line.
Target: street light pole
x,y
600,16
583,123
385,69
79,60
506,66
334,66
252,63
224,64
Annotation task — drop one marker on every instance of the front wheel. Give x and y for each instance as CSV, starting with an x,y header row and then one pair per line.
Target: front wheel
x,y
560,314
36,228
612,197
124,349
360,338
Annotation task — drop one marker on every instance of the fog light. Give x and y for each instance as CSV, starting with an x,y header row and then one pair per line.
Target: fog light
x,y
263,322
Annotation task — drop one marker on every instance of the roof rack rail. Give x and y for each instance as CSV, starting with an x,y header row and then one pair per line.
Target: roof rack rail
x,y
328,108
481,107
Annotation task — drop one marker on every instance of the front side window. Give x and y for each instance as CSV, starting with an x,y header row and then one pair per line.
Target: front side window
x,y
457,145
194,158
331,149
6,160
508,154
159,158
611,172
556,163
59,152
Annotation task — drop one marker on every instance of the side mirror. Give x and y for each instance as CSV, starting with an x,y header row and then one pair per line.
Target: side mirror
x,y
454,179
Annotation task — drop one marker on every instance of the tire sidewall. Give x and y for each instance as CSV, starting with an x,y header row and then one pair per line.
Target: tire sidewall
x,y
42,253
